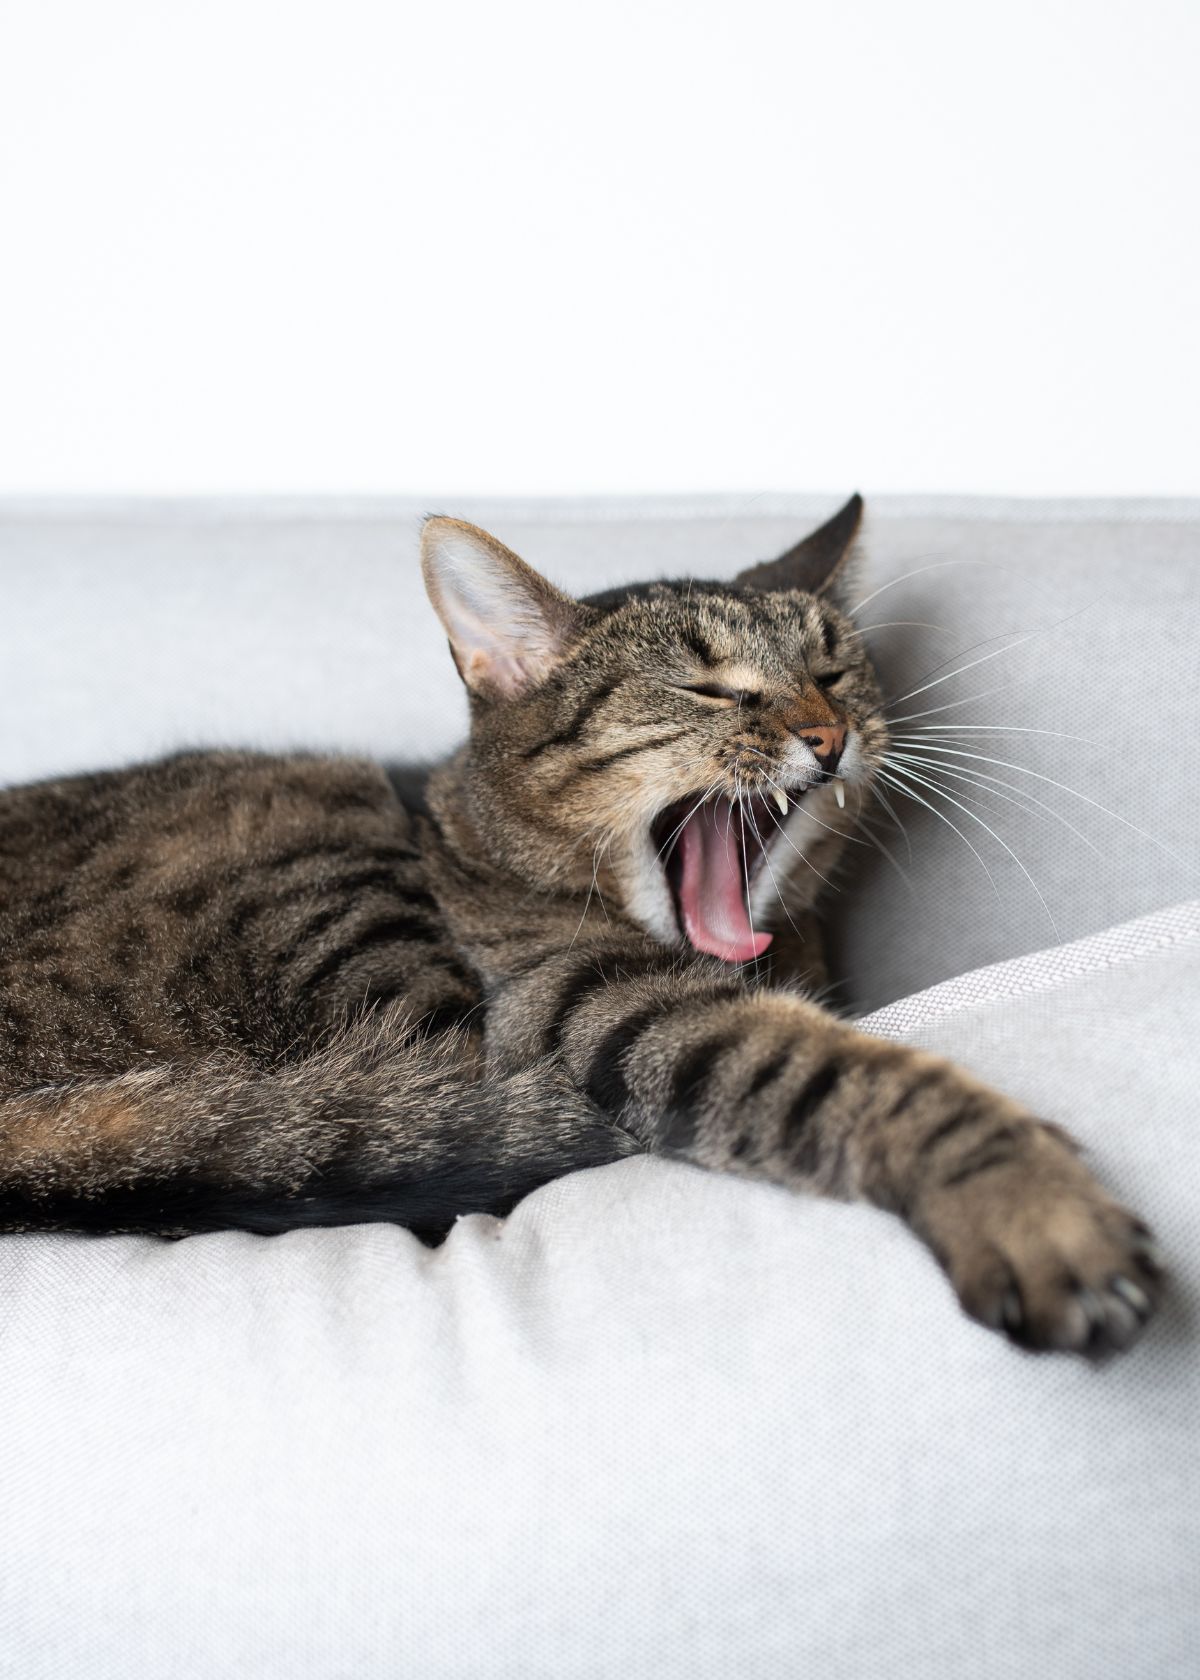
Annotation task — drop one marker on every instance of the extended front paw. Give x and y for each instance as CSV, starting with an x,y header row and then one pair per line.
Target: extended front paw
x,y
1036,1248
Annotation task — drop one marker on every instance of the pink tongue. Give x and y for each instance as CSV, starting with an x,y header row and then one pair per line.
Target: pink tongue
x,y
712,891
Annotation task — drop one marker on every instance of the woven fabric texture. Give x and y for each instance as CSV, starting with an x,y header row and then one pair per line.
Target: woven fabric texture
x,y
658,1424
1039,971
135,629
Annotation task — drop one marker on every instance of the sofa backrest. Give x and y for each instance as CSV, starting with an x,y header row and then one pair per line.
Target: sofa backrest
x,y
132,629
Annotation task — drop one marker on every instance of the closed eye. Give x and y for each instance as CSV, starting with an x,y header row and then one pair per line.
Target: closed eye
x,y
829,679
716,691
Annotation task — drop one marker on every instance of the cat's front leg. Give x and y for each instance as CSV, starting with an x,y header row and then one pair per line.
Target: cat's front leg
x,y
766,1084
1031,1241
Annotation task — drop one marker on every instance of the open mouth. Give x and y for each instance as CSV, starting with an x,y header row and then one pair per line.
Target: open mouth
x,y
712,852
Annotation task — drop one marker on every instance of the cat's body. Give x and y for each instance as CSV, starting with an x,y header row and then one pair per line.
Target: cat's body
x,y
261,992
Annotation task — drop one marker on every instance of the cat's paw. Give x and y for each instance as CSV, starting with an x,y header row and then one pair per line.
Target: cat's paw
x,y
1038,1250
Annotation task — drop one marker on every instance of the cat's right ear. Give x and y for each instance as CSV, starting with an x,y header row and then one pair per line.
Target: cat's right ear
x,y
815,564
507,626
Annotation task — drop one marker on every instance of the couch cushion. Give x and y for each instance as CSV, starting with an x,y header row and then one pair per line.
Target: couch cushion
x,y
133,629
658,1424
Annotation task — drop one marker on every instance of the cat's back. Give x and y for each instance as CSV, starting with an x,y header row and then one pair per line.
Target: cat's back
x,y
167,826
211,896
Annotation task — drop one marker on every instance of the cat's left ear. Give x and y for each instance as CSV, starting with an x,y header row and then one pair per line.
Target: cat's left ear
x,y
507,626
813,564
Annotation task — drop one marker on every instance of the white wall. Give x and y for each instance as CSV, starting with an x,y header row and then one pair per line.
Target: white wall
x,y
531,245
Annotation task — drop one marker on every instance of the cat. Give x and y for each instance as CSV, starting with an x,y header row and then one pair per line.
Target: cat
x,y
257,992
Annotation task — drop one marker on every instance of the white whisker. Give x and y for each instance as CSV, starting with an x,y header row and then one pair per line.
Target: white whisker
x,y
1010,646
1023,770
911,793
788,841
950,705
891,811
741,806
678,830
600,846
885,850
980,778
902,624
766,857
939,729
799,806
914,776
918,571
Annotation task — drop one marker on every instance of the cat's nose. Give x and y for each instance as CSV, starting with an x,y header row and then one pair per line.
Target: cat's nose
x,y
827,744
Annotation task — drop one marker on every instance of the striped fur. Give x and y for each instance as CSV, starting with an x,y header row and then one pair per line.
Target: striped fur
x,y
253,992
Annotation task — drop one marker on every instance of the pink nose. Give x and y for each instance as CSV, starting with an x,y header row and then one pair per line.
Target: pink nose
x,y
826,743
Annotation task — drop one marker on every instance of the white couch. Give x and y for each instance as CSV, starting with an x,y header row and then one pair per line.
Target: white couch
x,y
656,1424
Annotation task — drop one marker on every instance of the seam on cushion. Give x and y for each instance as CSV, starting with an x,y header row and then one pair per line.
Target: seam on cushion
x,y
745,509
1040,971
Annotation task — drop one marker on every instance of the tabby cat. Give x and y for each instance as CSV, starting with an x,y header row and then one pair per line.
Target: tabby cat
x,y
266,992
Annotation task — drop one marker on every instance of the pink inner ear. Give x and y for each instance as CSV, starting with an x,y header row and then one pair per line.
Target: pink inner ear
x,y
503,672
506,624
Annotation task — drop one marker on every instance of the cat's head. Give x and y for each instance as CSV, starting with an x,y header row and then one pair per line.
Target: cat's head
x,y
679,745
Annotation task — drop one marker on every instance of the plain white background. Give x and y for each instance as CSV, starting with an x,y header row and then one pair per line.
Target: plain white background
x,y
253,245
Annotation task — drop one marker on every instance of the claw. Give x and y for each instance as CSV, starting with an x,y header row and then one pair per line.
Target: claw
x,y
1134,1298
1012,1312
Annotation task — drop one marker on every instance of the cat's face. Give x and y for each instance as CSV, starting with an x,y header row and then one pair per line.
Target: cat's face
x,y
683,748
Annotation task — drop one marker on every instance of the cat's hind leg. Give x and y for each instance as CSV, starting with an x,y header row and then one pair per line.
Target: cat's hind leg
x,y
378,1126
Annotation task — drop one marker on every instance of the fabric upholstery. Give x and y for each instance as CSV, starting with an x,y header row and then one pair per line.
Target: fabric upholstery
x,y
656,1424
134,629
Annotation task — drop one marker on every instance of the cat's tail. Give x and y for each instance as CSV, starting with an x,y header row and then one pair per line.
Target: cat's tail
x,y
376,1127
